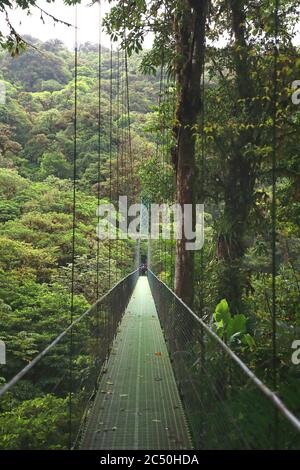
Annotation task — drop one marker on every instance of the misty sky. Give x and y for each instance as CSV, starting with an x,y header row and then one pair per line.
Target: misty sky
x,y
88,21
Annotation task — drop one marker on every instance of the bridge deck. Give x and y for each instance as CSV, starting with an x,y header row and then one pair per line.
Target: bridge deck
x,y
137,405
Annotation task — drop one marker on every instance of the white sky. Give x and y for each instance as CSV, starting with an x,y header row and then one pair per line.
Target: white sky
x,y
88,23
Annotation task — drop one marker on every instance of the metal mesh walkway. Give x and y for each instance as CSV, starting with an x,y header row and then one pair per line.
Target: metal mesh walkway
x,y
137,405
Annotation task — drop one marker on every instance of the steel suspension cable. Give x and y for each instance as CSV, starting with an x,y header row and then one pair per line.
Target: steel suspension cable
x,y
127,93
165,153
110,154
118,246
172,225
126,148
73,248
158,146
127,98
202,190
130,173
122,143
202,171
123,169
274,214
99,147
274,191
99,163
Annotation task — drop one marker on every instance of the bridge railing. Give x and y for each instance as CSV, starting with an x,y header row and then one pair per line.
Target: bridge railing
x,y
45,405
227,406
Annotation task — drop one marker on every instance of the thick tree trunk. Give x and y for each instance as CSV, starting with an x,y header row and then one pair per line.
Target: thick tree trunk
x,y
185,194
190,42
240,175
231,247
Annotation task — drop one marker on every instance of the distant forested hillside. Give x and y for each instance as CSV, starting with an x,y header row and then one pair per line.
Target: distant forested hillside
x,y
37,122
36,170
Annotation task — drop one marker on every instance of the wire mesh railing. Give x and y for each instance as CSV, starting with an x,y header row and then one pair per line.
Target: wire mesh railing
x,y
227,406
45,405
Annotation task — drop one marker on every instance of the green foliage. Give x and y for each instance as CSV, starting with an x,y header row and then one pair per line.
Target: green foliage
x,y
36,136
232,329
54,163
35,424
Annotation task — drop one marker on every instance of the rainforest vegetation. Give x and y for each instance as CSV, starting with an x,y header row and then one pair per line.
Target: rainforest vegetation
x,y
222,106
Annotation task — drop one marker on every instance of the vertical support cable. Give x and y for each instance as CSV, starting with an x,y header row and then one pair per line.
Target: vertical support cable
x,y
110,152
202,172
99,143
118,246
158,148
99,167
274,192
123,154
172,226
126,135
127,98
165,157
274,213
73,231
128,108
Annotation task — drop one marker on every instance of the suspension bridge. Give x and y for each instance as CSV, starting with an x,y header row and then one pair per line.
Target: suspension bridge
x,y
146,372
139,369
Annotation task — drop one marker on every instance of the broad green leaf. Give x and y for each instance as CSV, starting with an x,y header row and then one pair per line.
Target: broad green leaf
x,y
222,312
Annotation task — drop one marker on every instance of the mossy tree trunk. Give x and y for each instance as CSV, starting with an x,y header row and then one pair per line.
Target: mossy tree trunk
x,y
190,43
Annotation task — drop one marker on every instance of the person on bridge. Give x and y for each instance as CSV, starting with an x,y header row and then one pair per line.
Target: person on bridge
x,y
143,269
